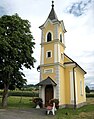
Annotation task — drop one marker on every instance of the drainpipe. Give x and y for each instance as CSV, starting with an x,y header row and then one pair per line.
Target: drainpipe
x,y
74,85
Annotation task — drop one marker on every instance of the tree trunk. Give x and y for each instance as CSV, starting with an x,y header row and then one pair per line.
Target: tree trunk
x,y
5,96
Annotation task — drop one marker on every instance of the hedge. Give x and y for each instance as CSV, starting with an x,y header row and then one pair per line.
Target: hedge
x,y
89,95
24,93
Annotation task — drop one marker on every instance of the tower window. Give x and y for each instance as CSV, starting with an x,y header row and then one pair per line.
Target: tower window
x,y
61,38
48,54
49,37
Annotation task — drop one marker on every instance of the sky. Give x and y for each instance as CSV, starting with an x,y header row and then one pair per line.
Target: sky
x,y
78,17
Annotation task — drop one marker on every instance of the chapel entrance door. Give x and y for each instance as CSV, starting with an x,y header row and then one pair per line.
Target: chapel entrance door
x,y
48,94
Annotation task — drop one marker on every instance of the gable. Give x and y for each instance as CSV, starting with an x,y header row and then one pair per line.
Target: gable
x,y
67,59
48,21
69,62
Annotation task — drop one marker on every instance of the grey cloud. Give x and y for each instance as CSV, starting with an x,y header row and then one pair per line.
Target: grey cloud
x,y
79,8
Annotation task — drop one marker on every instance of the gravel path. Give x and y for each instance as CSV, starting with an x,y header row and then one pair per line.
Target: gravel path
x,y
25,114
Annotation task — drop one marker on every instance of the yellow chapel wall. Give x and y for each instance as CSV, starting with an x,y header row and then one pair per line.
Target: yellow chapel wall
x,y
81,94
79,77
51,75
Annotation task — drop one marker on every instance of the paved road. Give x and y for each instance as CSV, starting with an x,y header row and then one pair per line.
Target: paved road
x,y
25,114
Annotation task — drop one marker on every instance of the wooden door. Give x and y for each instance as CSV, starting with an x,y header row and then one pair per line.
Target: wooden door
x,y
48,94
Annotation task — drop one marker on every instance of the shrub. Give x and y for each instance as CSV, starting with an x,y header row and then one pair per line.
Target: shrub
x,y
38,101
89,95
22,93
56,101
87,89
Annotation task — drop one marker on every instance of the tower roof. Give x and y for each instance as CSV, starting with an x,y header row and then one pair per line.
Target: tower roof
x,y
53,18
52,14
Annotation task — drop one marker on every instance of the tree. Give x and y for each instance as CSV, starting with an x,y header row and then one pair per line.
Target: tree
x,y
87,89
16,51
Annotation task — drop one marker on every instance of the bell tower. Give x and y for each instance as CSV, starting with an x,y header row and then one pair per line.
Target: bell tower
x,y
52,39
52,53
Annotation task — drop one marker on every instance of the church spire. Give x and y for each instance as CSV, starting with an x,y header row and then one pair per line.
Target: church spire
x,y
52,15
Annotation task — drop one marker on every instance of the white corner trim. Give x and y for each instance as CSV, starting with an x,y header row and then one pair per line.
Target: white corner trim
x,y
59,53
42,55
42,37
55,53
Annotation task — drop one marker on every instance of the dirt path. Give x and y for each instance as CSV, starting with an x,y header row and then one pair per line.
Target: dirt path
x,y
25,114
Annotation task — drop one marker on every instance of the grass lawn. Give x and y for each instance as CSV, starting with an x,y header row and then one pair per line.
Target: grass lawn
x,y
18,102
85,112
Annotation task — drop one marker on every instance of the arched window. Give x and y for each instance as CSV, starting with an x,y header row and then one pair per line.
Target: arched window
x,y
49,37
61,38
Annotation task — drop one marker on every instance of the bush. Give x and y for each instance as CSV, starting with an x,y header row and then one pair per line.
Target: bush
x,y
22,93
89,95
38,101
1,92
87,89
56,101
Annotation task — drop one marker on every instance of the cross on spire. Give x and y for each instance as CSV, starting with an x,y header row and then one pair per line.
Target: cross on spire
x,y
52,4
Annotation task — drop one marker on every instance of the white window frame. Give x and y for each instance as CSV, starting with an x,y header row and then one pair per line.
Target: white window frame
x,y
47,53
51,35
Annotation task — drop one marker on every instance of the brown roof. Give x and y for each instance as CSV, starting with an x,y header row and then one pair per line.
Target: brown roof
x,y
47,81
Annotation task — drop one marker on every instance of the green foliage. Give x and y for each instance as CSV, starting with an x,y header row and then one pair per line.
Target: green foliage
x,y
30,87
21,93
56,101
16,48
16,102
25,93
89,95
38,101
80,113
16,51
87,89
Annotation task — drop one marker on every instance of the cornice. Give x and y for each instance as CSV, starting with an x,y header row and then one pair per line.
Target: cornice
x,y
53,41
52,64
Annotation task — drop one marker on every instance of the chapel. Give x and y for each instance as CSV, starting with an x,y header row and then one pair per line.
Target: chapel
x,y
60,76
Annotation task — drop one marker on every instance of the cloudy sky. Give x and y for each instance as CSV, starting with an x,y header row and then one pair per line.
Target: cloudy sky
x,y
78,16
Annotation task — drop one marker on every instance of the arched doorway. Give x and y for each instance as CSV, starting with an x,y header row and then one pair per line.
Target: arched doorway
x,y
49,93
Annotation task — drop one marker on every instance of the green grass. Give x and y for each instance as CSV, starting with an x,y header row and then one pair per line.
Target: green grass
x,y
85,112
16,102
